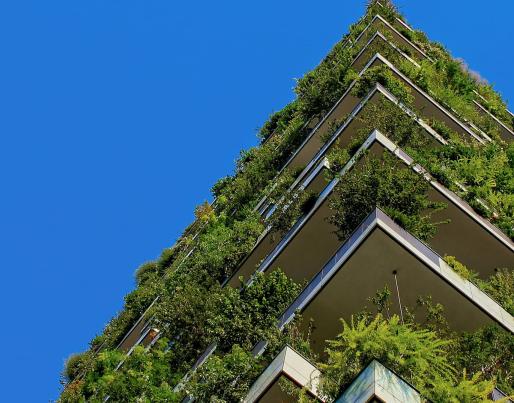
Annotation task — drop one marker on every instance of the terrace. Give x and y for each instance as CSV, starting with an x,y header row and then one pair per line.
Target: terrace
x,y
378,40
381,253
349,104
312,241
342,137
378,23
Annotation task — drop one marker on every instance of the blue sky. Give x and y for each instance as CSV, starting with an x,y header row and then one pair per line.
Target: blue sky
x,y
116,118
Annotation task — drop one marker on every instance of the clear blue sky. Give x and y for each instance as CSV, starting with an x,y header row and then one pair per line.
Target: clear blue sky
x,y
117,116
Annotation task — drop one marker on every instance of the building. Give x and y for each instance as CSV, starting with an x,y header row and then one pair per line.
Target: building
x,y
342,264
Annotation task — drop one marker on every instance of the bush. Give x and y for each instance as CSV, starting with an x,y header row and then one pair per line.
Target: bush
x,y
418,355
225,379
381,182
488,351
74,366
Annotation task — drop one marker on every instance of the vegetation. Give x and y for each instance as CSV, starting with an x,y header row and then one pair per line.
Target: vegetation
x,y
381,182
144,374
442,365
417,354
499,286
485,172
226,379
192,309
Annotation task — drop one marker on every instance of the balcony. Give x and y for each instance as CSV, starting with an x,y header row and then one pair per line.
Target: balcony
x,y
268,241
397,20
378,40
349,105
344,134
138,331
430,108
506,132
287,365
378,23
375,383
347,102
312,180
311,242
380,253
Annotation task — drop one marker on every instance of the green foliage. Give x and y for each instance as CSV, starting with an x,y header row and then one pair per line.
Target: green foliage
x,y
425,353
319,89
385,8
196,315
255,169
194,310
225,379
418,353
146,272
257,166
204,213
382,75
387,118
500,287
145,376
487,172
460,269
221,246
393,122
488,351
493,102
247,316
446,81
458,79
275,192
468,389
381,182
289,209
279,121
74,366
301,395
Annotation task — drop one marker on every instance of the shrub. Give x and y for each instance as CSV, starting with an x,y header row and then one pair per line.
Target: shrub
x,y
74,366
418,353
225,379
381,182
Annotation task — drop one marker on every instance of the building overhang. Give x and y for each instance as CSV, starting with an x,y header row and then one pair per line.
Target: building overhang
x,y
346,132
429,106
349,105
380,253
376,383
314,182
290,365
311,180
313,150
368,51
311,241
346,105
378,23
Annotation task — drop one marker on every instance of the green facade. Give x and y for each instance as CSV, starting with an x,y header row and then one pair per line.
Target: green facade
x,y
252,272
